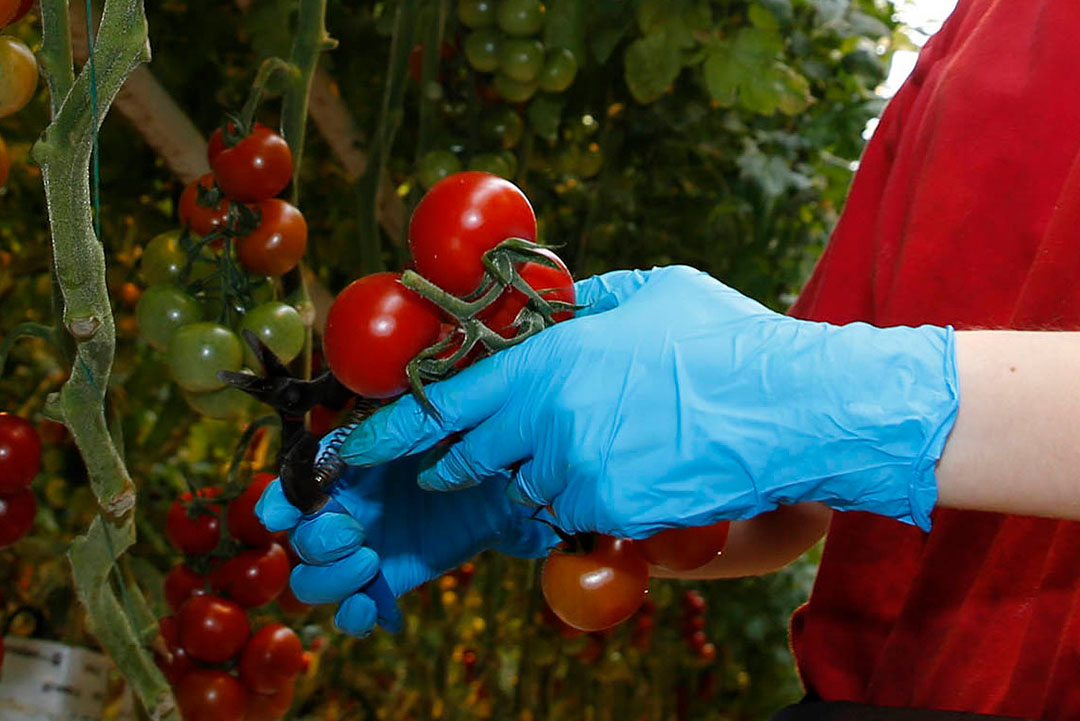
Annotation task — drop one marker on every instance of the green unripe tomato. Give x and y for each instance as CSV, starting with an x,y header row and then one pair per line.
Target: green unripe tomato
x,y
503,126
545,114
494,163
560,67
520,18
164,259
436,165
482,49
521,58
277,325
198,351
227,402
161,310
476,13
512,90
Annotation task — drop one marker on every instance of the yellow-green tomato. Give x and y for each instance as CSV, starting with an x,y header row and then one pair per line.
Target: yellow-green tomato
x,y
18,75
521,58
161,311
513,90
436,165
476,13
164,259
560,67
198,351
520,18
279,326
482,49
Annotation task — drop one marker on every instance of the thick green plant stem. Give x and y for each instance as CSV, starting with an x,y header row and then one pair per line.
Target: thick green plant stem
x,y
79,273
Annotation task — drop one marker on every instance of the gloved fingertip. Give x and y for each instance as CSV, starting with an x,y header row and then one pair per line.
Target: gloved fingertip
x,y
327,538
335,581
360,447
274,510
436,479
356,616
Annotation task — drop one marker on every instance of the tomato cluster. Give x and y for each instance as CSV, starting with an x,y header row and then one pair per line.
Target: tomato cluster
x,y
20,460
694,626
221,671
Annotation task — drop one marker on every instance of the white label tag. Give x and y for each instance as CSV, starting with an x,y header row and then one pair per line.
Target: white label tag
x,y
49,681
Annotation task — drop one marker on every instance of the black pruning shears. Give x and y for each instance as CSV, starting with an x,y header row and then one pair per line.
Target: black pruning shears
x,y
305,481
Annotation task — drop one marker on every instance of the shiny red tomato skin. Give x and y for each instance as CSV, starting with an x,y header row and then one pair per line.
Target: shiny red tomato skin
x,y
199,218
597,590
213,629
217,141
684,549
271,659
180,663
16,516
206,694
256,168
194,536
243,524
461,218
181,583
20,454
254,577
550,283
277,244
374,328
269,707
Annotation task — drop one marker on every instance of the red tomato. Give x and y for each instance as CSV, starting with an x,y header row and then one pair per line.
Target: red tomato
x,y
550,283
244,525
256,168
254,577
217,141
12,11
207,694
696,640
213,629
277,244
272,659
182,583
694,602
16,516
599,589
461,218
20,454
179,663
290,605
374,328
200,218
269,707
707,652
194,535
684,549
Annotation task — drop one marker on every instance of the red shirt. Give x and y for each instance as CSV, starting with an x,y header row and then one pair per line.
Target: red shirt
x,y
965,211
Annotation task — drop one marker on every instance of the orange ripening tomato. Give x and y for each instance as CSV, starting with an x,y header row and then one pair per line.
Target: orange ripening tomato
x,y
599,589
684,549
18,75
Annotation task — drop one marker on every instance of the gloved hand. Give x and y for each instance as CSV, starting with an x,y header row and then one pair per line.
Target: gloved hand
x,y
673,400
380,518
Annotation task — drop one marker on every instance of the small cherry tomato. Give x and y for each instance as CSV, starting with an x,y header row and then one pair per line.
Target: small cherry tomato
x,y
599,589
254,577
476,13
200,218
272,659
161,311
482,49
520,18
256,168
551,283
521,58
194,532
206,694
707,652
374,328
20,454
277,244
269,707
213,629
503,126
560,67
514,91
461,218
197,352
436,165
684,549
217,141
696,640
279,326
243,524
694,602
18,75
179,662
181,583
17,513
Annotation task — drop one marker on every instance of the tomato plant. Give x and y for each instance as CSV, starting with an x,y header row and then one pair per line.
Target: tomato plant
x,y
374,328
256,168
277,244
213,629
194,531
253,577
202,219
271,659
178,662
461,218
551,283
279,326
598,589
206,694
161,311
20,454
684,549
18,75
16,516
243,524
181,583
198,351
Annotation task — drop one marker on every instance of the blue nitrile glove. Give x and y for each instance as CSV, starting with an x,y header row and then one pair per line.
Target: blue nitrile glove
x,y
380,518
673,400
